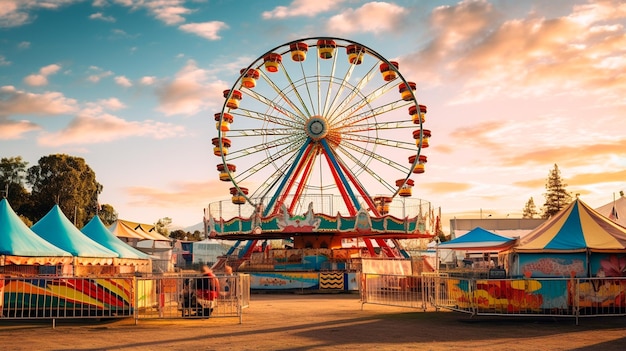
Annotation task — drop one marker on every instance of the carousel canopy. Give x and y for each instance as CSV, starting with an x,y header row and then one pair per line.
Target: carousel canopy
x,y
576,228
97,231
16,239
479,239
55,228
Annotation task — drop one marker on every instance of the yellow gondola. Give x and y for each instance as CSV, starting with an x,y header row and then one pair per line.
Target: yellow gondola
x,y
405,92
326,48
298,51
234,99
388,73
272,62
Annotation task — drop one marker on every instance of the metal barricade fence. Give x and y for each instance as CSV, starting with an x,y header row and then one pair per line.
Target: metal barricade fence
x,y
181,297
66,297
119,297
392,290
552,297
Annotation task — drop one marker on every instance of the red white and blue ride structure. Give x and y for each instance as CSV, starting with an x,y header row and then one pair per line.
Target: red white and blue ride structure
x,y
329,134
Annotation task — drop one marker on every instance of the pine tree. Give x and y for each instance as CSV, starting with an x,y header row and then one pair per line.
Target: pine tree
x,y
556,196
530,210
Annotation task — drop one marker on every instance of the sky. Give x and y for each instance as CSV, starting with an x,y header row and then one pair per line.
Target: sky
x,y
512,88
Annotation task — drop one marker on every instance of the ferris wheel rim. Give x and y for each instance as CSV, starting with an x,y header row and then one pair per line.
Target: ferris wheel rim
x,y
256,64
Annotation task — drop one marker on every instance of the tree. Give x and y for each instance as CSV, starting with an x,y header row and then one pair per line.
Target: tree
x,y
66,181
557,197
12,182
107,214
162,226
530,210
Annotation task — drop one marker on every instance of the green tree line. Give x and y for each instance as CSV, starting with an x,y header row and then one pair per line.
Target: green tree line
x,y
57,179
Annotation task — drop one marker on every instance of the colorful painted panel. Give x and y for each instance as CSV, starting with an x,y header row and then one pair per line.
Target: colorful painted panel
x,y
510,296
331,281
553,265
287,280
602,293
73,296
607,265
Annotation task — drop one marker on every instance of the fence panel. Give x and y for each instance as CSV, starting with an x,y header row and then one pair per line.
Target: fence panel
x,y
181,297
393,290
66,297
123,297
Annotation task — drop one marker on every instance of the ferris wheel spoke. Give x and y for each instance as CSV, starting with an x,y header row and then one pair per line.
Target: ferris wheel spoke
x,y
383,160
300,115
342,87
266,162
380,141
308,89
265,132
354,92
297,92
294,119
329,89
251,150
370,171
377,126
348,117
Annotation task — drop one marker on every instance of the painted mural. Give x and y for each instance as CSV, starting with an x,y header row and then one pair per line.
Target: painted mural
x,y
555,265
75,296
510,296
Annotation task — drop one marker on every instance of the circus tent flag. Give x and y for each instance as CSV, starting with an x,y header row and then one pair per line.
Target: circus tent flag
x,y
615,210
21,246
55,228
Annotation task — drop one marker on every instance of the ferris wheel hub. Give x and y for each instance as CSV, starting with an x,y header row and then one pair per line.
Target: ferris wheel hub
x,y
316,127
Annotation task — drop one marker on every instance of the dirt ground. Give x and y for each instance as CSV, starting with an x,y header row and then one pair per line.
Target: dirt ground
x,y
321,322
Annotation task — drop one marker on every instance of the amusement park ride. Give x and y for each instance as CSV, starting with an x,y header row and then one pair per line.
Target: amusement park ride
x,y
329,134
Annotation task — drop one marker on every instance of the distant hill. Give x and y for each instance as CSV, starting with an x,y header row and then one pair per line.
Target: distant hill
x,y
193,228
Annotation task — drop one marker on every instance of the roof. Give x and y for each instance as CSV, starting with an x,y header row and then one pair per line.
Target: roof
x,y
97,231
576,228
479,239
121,230
16,239
55,228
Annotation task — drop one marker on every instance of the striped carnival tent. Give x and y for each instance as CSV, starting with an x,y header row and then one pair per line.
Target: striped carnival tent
x,y
577,241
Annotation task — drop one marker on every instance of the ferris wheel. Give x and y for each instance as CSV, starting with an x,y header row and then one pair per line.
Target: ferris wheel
x,y
320,116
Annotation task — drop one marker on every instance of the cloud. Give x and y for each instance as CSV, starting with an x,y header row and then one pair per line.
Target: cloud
x,y
445,187
184,194
170,12
123,81
23,45
375,17
581,54
191,91
208,30
93,125
100,16
570,155
4,61
41,79
17,102
301,8
10,130
98,75
147,80
15,13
